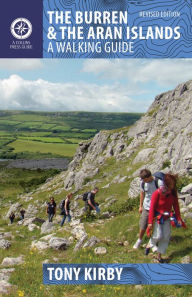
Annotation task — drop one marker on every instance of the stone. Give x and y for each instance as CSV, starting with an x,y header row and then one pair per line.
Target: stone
x,y
4,278
126,243
143,155
134,189
106,186
58,243
40,245
8,261
105,215
4,244
47,237
80,243
186,259
188,215
91,242
47,227
6,235
187,189
32,227
14,208
100,250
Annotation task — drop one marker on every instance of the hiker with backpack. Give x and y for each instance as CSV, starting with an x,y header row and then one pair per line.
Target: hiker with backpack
x,y
65,208
89,198
12,217
148,185
51,209
160,213
22,214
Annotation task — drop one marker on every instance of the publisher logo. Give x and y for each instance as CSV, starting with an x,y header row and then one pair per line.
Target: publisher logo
x,y
21,28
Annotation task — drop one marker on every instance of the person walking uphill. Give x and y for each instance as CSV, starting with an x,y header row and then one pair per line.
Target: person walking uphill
x,y
162,202
148,186
51,209
89,199
12,217
66,209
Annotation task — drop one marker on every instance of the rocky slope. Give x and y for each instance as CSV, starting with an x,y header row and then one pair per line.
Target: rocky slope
x,y
161,141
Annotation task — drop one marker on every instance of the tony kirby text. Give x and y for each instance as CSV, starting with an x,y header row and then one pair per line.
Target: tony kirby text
x,y
61,274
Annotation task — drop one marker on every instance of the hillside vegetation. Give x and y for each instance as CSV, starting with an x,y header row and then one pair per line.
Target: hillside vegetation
x,y
27,135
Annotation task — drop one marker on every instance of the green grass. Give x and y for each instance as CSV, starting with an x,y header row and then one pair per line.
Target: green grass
x,y
61,127
65,150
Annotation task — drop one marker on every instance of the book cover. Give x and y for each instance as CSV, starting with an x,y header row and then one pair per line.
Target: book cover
x,y
92,92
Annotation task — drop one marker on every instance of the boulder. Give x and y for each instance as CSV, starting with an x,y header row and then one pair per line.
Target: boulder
x,y
91,242
47,237
40,245
187,189
47,227
80,243
134,188
14,208
32,227
144,155
4,244
100,250
4,278
186,259
8,261
58,243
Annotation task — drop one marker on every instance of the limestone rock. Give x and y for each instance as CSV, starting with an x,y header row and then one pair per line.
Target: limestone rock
x,y
58,243
47,227
8,261
32,227
186,260
80,243
91,242
40,245
4,244
100,250
187,189
134,188
143,155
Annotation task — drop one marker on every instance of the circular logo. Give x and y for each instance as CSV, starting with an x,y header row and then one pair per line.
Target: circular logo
x,y
21,28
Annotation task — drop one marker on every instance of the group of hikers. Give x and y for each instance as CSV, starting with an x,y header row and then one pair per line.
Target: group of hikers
x,y
12,216
158,199
88,198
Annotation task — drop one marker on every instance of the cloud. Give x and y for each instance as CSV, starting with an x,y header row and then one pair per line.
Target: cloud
x,y
168,72
20,94
20,64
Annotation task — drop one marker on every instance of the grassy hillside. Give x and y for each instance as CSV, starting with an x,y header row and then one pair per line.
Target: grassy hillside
x,y
113,233
43,134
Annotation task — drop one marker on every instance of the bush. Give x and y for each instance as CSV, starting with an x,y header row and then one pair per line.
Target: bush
x,y
166,164
124,206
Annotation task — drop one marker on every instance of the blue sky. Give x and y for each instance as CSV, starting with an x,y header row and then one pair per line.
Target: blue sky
x,y
93,85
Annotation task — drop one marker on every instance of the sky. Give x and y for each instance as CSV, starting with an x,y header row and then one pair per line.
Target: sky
x,y
125,85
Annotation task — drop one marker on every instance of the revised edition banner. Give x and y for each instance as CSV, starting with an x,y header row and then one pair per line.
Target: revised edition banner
x,y
96,29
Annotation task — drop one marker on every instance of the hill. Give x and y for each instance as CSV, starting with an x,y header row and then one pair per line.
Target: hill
x,y
160,141
27,134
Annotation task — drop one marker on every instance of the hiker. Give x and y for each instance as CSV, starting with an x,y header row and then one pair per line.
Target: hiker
x,y
51,209
89,199
148,186
162,202
11,217
65,210
22,214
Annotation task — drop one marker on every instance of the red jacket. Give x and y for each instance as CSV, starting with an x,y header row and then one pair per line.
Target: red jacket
x,y
163,202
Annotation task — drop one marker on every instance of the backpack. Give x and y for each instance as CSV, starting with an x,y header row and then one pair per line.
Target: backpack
x,y
62,203
85,196
157,175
